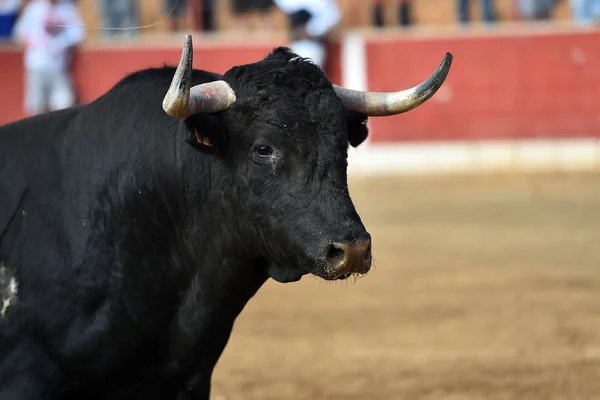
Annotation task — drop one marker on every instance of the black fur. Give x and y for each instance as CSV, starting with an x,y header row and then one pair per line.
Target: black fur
x,y
135,247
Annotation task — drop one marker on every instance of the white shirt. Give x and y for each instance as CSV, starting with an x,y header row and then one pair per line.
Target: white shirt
x,y
48,32
8,7
326,14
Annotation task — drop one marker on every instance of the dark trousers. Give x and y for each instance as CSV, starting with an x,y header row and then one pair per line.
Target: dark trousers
x,y
404,14
203,12
487,7
7,22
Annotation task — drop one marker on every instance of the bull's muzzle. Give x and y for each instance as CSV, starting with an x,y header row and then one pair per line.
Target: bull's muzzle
x,y
349,257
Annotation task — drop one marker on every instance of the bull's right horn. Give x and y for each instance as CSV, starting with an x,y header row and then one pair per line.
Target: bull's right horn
x,y
383,104
182,100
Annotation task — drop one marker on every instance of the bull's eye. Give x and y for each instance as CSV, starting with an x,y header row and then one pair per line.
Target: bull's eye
x,y
264,151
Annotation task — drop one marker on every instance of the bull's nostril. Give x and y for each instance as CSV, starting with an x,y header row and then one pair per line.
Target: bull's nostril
x,y
335,255
368,257
349,257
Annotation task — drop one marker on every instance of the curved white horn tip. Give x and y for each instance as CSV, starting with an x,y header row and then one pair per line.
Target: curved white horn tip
x,y
446,63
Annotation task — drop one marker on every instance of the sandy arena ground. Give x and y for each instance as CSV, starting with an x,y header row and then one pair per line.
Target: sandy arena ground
x,y
485,288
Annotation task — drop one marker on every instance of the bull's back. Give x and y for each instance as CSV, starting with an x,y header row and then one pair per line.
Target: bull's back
x,y
29,159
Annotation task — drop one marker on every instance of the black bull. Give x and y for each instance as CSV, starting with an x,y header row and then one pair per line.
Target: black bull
x,y
131,238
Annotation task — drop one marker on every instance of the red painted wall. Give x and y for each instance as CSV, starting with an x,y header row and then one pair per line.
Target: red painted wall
x,y
97,70
11,85
500,86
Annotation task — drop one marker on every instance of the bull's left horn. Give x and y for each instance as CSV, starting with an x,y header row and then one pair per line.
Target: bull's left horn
x,y
383,104
182,100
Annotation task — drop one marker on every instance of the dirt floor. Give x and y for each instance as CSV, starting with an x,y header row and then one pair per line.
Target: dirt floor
x,y
485,287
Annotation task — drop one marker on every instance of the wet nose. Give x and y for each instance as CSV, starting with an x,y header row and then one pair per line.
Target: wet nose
x,y
348,257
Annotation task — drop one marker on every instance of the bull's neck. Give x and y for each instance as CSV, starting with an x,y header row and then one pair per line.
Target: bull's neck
x,y
216,295
223,278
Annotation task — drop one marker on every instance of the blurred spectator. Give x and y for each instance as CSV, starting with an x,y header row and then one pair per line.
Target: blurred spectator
x,y
203,13
585,12
175,9
119,14
536,9
403,9
355,13
9,9
49,29
243,8
487,9
310,22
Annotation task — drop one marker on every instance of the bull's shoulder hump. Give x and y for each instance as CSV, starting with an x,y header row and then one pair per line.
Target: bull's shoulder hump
x,y
24,145
151,76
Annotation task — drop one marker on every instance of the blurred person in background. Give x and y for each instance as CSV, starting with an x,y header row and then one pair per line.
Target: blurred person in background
x,y
9,10
585,12
488,11
119,14
175,9
243,9
403,9
311,21
49,30
354,13
532,10
203,15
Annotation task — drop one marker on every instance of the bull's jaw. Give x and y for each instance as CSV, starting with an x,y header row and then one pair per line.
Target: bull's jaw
x,y
328,275
284,274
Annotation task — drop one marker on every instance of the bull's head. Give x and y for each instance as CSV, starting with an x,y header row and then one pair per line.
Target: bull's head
x,y
289,129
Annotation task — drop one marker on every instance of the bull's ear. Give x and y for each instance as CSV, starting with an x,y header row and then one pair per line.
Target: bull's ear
x,y
206,132
357,128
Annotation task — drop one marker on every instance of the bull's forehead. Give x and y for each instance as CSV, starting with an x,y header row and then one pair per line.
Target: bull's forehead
x,y
282,75
290,94
302,113
303,123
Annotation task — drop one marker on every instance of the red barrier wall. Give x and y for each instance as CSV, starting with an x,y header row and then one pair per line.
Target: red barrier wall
x,y
500,85
96,70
